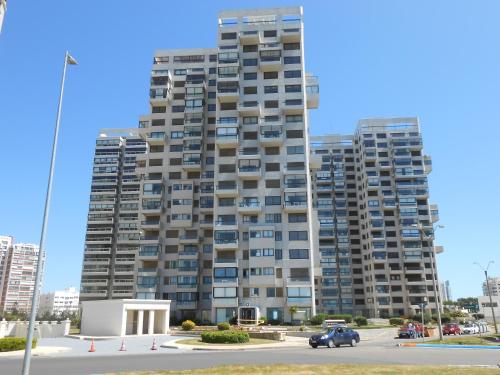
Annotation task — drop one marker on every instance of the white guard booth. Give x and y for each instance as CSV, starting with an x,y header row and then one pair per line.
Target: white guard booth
x,y
120,317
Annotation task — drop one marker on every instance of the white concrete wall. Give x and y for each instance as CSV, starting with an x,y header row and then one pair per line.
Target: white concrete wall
x,y
42,329
102,319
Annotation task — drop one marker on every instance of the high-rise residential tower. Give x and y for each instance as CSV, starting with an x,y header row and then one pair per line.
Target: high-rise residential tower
x,y
3,10
5,247
19,278
112,238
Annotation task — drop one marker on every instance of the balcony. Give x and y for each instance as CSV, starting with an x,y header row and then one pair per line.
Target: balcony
x,y
249,207
225,282
291,35
228,93
270,60
189,239
226,224
299,281
293,106
226,190
249,172
156,138
188,255
225,302
298,301
227,140
226,243
271,135
193,133
159,96
226,262
249,37
151,207
191,163
147,271
295,206
150,224
186,305
249,108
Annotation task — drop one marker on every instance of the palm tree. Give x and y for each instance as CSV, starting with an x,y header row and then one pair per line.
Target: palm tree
x,y
293,310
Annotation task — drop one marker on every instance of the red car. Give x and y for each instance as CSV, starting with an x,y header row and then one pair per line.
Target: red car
x,y
452,329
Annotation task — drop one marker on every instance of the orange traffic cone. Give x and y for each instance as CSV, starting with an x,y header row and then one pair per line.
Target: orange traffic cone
x,y
92,346
122,347
154,347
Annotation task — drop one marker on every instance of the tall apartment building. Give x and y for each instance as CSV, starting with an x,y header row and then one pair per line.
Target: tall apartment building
x,y
5,247
238,211
112,238
371,193
19,279
3,10
223,214
59,302
494,287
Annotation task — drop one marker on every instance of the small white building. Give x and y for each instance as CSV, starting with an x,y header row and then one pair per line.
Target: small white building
x,y
485,307
59,301
120,317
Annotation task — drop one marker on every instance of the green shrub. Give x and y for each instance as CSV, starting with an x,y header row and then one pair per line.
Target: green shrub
x,y
225,337
224,326
9,344
188,325
360,321
263,321
318,319
418,318
396,321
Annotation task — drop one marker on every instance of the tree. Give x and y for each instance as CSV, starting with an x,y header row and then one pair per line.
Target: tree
x,y
293,310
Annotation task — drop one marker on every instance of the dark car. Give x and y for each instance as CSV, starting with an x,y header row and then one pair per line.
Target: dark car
x,y
452,329
335,336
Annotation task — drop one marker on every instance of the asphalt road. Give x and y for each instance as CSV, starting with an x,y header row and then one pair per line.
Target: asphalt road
x,y
168,360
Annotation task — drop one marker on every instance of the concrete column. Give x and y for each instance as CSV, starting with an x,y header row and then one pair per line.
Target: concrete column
x,y
166,320
140,321
123,330
151,322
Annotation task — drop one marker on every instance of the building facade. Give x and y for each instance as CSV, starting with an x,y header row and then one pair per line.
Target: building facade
x,y
19,279
5,247
445,289
113,237
371,194
238,213
59,302
485,307
494,287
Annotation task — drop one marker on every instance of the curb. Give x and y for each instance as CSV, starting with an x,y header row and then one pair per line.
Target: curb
x,y
445,346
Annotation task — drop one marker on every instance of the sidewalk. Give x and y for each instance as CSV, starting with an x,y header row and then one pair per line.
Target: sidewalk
x,y
38,351
288,343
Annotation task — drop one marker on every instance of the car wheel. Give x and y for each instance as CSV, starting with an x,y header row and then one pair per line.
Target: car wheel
x,y
354,342
314,346
337,345
330,343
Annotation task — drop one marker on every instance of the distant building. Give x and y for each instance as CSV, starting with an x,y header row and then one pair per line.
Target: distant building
x,y
485,307
59,302
494,287
3,9
5,246
19,277
445,289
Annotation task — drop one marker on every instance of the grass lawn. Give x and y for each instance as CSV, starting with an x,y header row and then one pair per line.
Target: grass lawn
x,y
465,340
251,342
328,370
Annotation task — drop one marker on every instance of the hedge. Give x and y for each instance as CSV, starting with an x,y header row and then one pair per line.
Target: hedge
x,y
224,326
225,337
9,344
396,321
360,321
188,325
318,319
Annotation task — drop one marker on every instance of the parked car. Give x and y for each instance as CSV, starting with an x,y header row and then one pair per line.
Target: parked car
x,y
411,330
335,336
452,329
470,328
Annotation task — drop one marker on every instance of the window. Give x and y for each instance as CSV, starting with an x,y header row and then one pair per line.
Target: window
x,y
295,150
272,167
299,254
270,184
270,89
273,218
293,88
293,118
298,292
250,62
224,292
270,292
291,46
227,36
273,200
250,120
270,75
250,48
297,235
271,104
249,76
291,60
250,90
270,33
297,218
292,74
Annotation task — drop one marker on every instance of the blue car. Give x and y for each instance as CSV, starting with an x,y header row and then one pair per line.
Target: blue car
x,y
335,336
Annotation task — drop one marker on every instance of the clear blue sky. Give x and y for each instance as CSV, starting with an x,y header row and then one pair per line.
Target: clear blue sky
x,y
439,60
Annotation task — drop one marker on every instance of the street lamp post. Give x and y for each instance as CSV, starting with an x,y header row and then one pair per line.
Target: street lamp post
x,y
489,292
434,286
34,301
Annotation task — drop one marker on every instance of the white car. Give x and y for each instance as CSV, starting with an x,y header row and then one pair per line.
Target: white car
x,y
470,328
